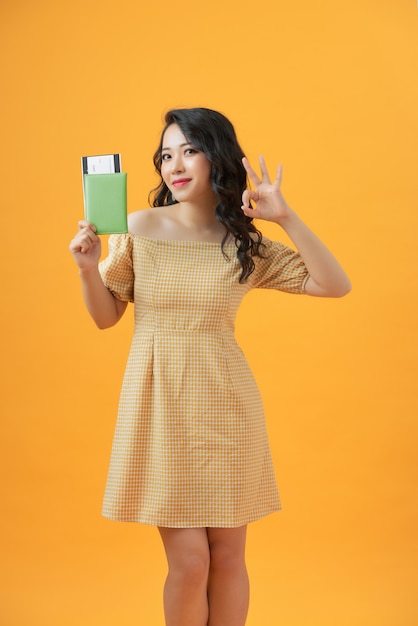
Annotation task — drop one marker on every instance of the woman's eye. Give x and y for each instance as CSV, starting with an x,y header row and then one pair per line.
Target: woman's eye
x,y
166,156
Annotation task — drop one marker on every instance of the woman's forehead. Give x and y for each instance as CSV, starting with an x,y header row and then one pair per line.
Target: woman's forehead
x,y
173,137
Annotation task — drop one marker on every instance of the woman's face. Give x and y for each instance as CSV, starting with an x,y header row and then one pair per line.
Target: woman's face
x,y
185,169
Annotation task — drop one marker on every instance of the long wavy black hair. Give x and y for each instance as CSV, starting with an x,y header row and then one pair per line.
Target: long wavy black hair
x,y
213,134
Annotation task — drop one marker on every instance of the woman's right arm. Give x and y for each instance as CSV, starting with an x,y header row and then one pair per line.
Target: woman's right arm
x,y
104,308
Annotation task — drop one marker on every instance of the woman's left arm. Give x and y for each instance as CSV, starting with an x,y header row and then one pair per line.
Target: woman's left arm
x,y
326,276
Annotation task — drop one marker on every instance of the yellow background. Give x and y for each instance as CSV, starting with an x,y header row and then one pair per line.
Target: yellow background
x,y
330,90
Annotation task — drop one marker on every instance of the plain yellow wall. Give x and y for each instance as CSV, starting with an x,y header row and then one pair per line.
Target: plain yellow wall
x,y
330,90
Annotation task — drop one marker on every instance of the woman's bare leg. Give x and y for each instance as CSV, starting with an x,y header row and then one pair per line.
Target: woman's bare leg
x,y
228,586
185,591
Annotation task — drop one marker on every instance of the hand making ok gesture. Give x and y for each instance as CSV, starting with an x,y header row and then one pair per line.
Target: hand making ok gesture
x,y
267,196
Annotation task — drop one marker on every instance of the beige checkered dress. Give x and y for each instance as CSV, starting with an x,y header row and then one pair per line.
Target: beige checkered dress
x,y
190,446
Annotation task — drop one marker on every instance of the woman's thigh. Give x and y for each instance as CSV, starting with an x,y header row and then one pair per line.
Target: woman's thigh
x,y
186,548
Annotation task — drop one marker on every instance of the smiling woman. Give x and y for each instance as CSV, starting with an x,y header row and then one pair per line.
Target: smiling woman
x,y
190,453
187,170
212,134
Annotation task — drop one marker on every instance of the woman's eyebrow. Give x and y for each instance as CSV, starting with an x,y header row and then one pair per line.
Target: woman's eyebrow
x,y
180,146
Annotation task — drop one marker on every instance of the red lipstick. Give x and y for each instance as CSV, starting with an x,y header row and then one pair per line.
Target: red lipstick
x,y
179,182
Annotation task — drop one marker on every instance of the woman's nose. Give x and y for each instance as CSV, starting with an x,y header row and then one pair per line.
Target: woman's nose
x,y
177,163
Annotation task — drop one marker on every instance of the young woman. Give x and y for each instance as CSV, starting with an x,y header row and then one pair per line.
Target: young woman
x,y
190,452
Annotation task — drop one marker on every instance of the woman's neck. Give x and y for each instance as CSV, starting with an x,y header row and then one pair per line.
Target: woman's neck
x,y
189,221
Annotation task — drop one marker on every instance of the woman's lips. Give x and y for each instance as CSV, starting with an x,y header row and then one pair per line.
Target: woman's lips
x,y
181,181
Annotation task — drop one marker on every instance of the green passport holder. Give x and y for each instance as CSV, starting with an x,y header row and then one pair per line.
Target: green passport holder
x,y
105,202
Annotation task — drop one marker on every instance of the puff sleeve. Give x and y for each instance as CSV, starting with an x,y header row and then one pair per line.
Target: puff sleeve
x,y
280,268
117,268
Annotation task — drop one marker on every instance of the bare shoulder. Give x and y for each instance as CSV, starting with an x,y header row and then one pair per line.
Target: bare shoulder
x,y
147,222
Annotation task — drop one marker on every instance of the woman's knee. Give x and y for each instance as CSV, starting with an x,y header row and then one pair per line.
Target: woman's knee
x,y
226,560
192,569
187,555
227,552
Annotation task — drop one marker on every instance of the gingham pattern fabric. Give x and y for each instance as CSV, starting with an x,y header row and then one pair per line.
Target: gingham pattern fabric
x,y
190,447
